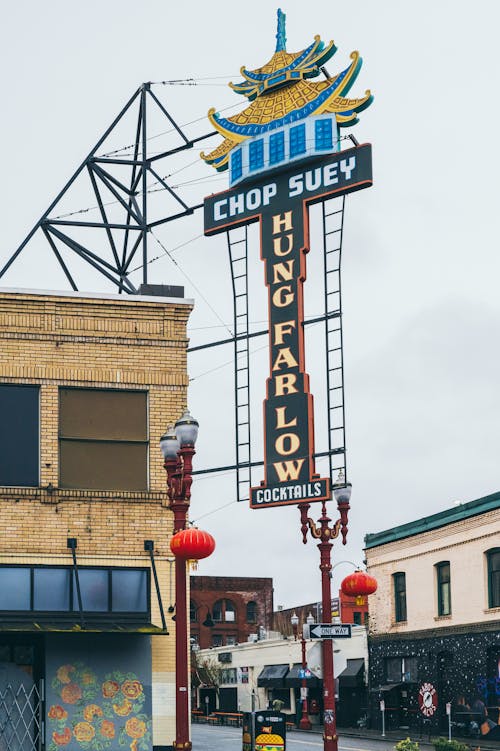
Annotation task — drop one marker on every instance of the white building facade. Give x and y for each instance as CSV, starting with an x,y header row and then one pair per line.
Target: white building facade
x,y
254,674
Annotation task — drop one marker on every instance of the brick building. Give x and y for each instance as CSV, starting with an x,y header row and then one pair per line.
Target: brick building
x,y
88,383
238,607
345,609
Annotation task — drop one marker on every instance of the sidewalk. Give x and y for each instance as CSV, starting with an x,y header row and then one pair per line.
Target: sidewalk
x,y
396,735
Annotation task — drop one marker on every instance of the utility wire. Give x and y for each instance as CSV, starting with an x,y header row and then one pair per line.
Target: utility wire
x,y
170,130
200,293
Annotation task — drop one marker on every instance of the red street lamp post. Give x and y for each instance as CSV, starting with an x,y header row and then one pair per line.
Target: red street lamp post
x,y
325,534
178,451
305,722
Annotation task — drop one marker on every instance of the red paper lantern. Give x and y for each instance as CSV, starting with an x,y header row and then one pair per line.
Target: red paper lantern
x,y
192,544
358,584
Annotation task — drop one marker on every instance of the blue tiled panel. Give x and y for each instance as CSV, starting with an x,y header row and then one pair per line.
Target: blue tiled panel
x,y
276,147
323,134
256,155
236,165
297,140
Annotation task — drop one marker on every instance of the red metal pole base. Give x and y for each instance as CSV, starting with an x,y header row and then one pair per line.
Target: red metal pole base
x,y
305,723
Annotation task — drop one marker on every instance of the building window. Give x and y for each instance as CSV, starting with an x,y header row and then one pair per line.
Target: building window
x,y
231,640
229,675
356,618
297,140
193,611
323,134
19,435
282,694
443,588
493,559
224,612
103,439
236,165
15,586
256,154
251,612
401,670
399,580
49,589
276,147
217,640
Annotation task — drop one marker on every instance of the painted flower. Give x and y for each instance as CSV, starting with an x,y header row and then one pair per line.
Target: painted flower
x,y
131,689
56,712
124,708
135,728
109,689
63,674
71,693
83,731
91,711
62,739
88,677
107,729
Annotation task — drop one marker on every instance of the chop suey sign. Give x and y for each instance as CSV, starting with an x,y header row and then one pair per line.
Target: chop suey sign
x,y
281,207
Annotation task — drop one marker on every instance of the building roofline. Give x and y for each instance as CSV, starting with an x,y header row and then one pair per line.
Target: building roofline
x,y
428,523
154,299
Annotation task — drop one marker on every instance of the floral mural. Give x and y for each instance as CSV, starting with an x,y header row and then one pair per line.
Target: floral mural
x,y
97,713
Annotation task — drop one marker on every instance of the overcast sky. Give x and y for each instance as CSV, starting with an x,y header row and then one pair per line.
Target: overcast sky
x,y
420,258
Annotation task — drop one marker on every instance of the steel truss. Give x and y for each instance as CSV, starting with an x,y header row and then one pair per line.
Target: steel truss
x,y
124,179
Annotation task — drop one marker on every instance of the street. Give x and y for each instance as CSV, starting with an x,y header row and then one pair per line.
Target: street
x,y
219,738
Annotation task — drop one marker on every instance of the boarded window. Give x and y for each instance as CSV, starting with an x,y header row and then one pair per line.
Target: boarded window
x,y
19,435
103,439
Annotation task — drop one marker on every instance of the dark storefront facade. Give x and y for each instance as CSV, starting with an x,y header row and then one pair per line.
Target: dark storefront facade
x,y
463,665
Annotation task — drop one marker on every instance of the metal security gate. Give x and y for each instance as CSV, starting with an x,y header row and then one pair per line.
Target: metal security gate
x,y
21,717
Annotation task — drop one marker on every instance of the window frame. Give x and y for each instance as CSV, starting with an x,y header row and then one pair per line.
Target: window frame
x,y
224,610
73,609
493,576
400,600
443,568
67,439
251,612
36,387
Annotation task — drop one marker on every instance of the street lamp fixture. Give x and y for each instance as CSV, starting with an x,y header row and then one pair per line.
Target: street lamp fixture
x,y
304,722
325,534
177,446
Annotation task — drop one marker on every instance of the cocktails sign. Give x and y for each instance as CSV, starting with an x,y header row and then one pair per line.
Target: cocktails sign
x,y
292,175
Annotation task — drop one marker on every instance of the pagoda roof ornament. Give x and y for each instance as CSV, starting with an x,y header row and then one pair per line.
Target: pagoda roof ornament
x,y
281,32
281,92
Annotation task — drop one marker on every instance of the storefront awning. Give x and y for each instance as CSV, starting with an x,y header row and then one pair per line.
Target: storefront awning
x,y
72,627
272,676
384,689
353,674
293,678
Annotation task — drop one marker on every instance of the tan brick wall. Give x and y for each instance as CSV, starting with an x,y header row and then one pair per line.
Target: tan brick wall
x,y
110,342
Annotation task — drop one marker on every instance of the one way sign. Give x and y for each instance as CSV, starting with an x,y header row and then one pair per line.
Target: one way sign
x,y
330,631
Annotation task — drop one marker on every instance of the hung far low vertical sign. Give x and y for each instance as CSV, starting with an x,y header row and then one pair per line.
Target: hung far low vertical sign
x,y
282,153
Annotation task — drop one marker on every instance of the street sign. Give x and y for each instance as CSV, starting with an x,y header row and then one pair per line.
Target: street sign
x,y
330,631
304,673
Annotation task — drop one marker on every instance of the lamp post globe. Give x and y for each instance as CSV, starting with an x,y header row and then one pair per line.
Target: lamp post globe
x,y
169,444
186,429
341,489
